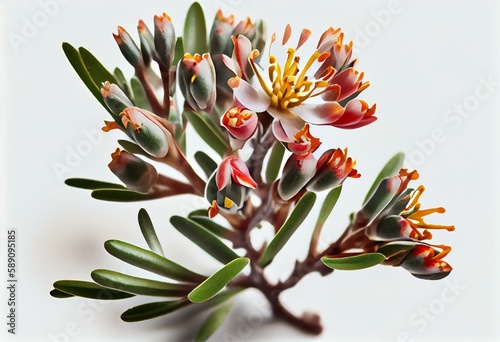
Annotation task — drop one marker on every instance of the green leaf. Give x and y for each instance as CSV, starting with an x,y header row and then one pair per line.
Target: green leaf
x,y
121,195
356,262
59,294
325,211
132,147
90,184
152,310
390,169
207,132
204,239
208,165
139,286
274,163
180,135
96,70
76,62
328,205
179,50
293,222
149,233
198,212
212,226
150,261
140,99
212,323
122,81
212,285
195,30
88,289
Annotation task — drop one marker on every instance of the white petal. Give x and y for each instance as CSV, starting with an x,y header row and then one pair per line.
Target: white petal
x,y
249,96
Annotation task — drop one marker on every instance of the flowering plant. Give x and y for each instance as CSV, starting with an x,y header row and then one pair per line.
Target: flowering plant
x,y
258,116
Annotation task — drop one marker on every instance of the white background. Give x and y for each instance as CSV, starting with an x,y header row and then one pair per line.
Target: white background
x,y
423,59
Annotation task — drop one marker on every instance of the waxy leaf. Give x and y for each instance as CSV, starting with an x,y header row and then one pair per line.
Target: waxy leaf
x,y
195,31
96,70
207,132
390,169
275,161
78,65
139,98
149,233
132,148
215,283
152,310
207,164
212,323
59,294
139,286
121,81
90,184
121,195
325,211
356,262
213,226
204,239
150,261
179,50
293,222
198,212
88,289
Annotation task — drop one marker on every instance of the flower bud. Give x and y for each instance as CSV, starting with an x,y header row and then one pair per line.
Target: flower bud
x,y
304,143
240,122
425,262
233,169
115,98
196,75
164,40
134,172
147,43
332,169
220,34
128,48
147,131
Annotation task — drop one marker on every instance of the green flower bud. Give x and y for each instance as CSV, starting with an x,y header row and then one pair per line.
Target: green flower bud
x,y
196,76
164,40
128,48
134,172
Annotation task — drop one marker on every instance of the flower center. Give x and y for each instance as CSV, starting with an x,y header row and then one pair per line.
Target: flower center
x,y
415,217
289,85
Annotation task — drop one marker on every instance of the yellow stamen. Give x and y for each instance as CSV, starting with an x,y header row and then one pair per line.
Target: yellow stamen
x,y
228,203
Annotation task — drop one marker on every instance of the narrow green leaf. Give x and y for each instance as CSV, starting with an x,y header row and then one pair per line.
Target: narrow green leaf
x,y
356,262
390,169
76,62
180,135
212,226
149,233
207,132
59,294
131,147
224,296
215,283
325,211
90,184
274,163
150,261
328,205
120,195
293,222
204,239
207,164
139,286
198,212
88,289
213,322
195,30
179,50
152,310
96,70
121,81
139,98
